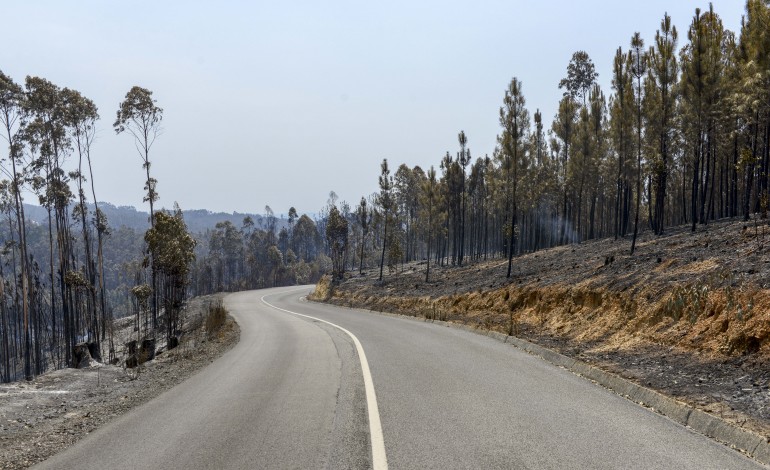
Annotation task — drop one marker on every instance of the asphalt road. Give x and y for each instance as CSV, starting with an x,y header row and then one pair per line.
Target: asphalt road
x,y
292,394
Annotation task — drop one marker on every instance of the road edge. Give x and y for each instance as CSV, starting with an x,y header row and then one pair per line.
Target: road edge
x,y
377,440
699,421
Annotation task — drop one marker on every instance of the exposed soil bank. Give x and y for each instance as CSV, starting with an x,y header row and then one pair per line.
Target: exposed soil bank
x,y
688,315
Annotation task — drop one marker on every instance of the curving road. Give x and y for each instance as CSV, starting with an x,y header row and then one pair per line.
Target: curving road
x,y
292,394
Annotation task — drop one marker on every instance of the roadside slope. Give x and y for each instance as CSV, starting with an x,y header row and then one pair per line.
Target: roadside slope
x,y
57,409
687,315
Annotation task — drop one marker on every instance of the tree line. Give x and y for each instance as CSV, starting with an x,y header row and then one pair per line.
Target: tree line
x,y
683,137
268,253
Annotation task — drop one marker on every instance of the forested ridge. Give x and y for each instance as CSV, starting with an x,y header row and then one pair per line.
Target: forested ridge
x,y
683,137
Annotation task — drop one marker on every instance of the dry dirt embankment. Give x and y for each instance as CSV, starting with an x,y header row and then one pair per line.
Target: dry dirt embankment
x,y
55,410
687,315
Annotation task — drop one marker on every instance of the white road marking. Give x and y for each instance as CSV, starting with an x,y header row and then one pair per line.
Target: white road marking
x,y
379,459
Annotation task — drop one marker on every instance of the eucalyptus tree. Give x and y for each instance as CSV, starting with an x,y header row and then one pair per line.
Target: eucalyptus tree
x,y
270,225
514,119
275,263
292,220
639,60
12,114
80,117
49,141
283,240
172,251
226,247
581,76
141,117
305,235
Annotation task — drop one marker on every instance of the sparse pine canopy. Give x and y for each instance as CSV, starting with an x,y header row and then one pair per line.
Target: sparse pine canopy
x,y
683,137
337,238
385,200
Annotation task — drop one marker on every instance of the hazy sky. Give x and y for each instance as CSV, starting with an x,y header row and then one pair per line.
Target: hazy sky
x,y
278,103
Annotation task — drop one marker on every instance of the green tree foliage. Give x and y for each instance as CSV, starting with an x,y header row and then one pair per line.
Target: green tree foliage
x,y
661,100
337,239
463,158
44,125
753,105
514,119
305,239
430,193
226,253
702,72
12,114
141,117
621,130
364,220
173,251
638,60
386,203
563,132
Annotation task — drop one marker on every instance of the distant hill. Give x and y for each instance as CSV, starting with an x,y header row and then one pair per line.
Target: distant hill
x,y
198,220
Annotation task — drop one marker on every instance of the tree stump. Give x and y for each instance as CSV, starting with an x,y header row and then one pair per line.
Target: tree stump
x,y
81,356
95,351
147,352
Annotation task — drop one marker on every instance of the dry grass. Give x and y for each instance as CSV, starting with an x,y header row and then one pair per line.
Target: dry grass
x,y
323,290
215,318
